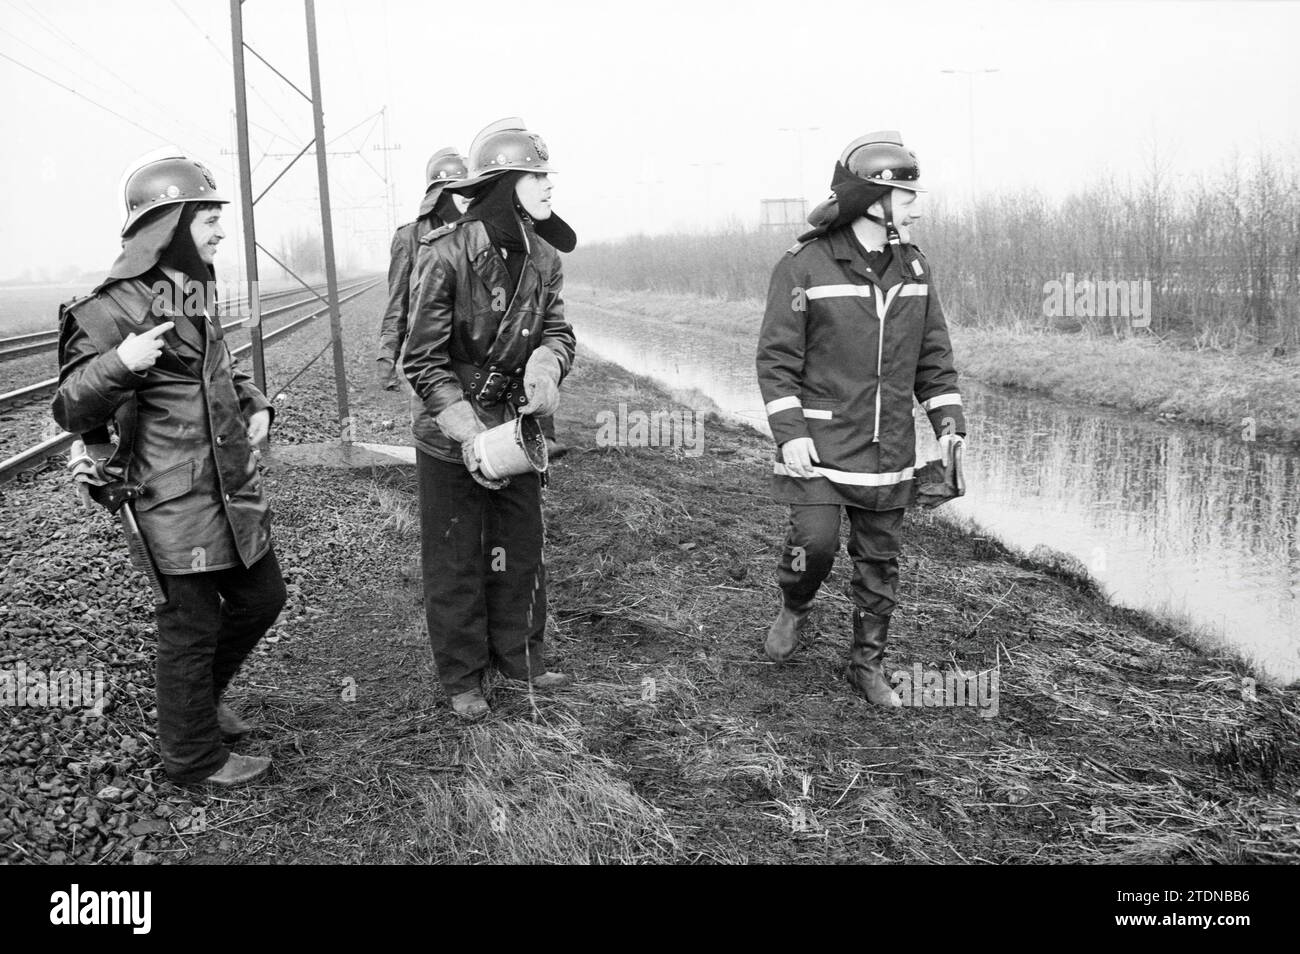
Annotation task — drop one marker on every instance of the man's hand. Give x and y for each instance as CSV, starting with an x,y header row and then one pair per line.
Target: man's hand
x,y
946,444
799,455
542,383
259,425
470,457
139,352
86,470
459,422
386,374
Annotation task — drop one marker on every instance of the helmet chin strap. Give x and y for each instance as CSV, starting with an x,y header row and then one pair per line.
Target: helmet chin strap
x,y
891,230
906,255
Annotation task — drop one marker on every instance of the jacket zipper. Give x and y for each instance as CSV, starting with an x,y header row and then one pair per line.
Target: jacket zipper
x,y
880,359
882,306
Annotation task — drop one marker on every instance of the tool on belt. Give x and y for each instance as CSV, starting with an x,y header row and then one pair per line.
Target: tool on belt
x,y
106,487
140,555
117,497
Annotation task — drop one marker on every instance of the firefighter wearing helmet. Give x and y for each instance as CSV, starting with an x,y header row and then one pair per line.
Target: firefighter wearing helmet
x,y
170,430
438,207
488,344
853,329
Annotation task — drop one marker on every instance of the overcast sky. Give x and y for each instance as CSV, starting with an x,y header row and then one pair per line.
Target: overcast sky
x,y
657,115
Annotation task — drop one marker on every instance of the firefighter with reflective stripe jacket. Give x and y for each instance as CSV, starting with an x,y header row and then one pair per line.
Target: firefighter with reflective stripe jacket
x,y
437,208
852,331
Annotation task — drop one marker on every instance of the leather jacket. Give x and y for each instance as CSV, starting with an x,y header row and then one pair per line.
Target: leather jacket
x,y
466,326
183,443
393,324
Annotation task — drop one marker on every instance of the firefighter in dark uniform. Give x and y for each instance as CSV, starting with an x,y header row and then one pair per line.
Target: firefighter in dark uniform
x,y
488,342
852,330
437,208
144,356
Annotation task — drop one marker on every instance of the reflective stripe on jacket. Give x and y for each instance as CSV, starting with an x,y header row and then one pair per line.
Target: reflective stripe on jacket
x,y
841,353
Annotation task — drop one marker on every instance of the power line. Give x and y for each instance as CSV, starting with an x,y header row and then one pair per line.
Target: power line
x,y
375,116
222,53
53,29
107,109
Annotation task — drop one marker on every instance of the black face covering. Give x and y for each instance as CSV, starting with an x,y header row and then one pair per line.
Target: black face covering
x,y
556,231
144,245
497,208
445,211
181,254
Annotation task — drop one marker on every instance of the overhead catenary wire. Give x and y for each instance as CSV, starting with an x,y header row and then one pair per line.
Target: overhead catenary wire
x,y
86,56
81,95
292,137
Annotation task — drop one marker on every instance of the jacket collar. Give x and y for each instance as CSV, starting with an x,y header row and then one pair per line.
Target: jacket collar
x,y
845,250
138,297
490,267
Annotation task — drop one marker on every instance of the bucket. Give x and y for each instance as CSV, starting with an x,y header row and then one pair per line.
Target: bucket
x,y
515,447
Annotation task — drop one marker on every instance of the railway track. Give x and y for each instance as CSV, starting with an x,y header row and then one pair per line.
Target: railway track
x,y
46,386
36,454
34,342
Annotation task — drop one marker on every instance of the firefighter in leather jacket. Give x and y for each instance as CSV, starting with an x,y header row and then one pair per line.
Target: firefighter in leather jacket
x,y
489,341
144,355
437,208
852,330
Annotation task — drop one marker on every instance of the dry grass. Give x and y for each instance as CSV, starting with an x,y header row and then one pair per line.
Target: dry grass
x,y
1113,740
1136,374
531,794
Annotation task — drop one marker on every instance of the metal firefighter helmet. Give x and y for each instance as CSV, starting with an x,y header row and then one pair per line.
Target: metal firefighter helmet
x,y
154,182
445,165
505,146
882,158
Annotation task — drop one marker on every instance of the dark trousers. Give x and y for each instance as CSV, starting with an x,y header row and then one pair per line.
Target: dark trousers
x,y
813,540
208,626
484,579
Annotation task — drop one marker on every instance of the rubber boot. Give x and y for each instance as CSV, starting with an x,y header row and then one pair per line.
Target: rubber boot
x,y
783,636
867,659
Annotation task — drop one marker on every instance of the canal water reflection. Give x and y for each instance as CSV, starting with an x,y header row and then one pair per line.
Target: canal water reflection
x,y
1168,517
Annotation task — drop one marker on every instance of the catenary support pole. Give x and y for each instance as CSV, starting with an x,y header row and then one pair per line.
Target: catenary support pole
x,y
254,323
327,228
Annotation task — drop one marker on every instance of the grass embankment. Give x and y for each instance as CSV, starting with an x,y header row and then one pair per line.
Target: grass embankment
x,y
1136,374
680,742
